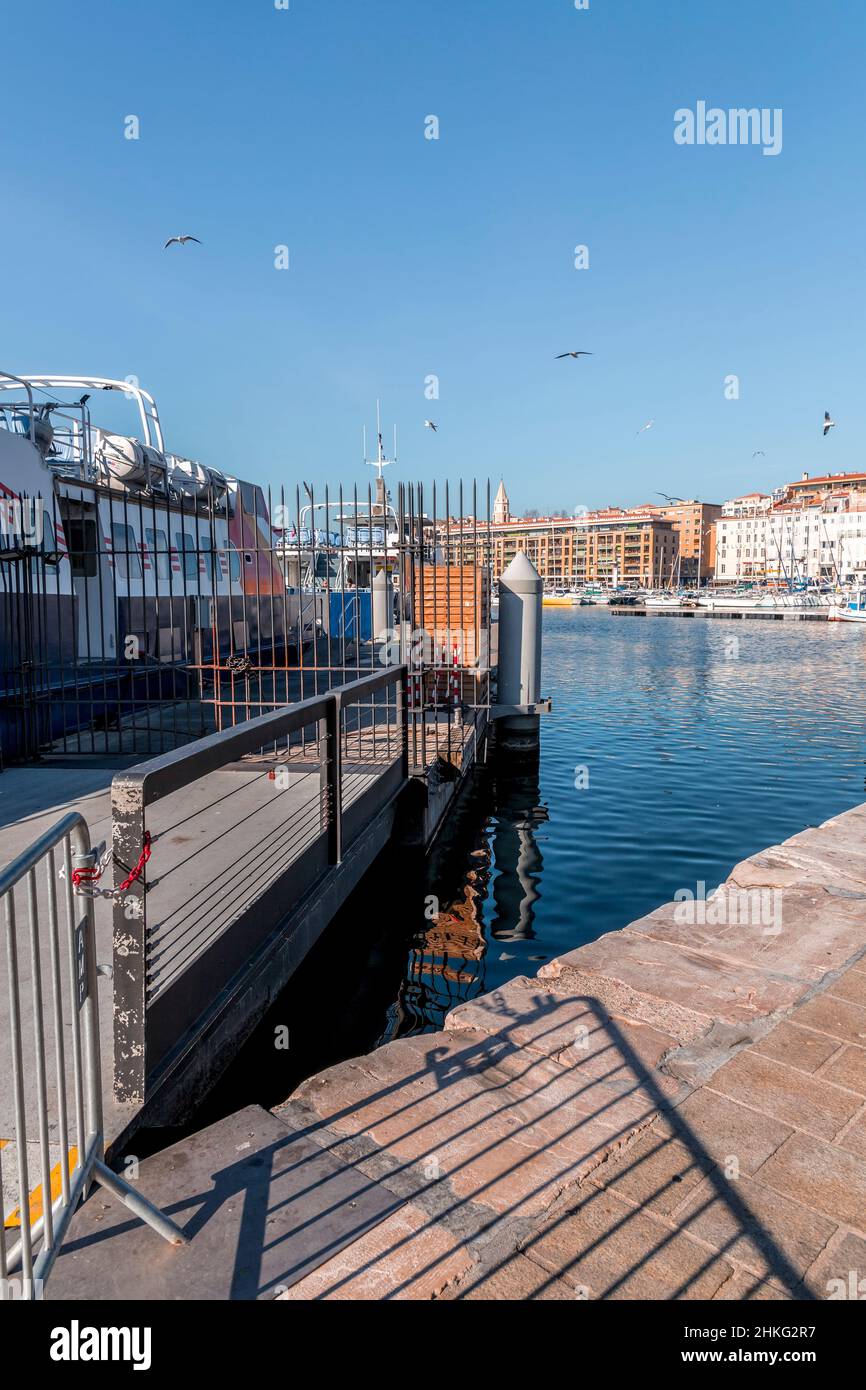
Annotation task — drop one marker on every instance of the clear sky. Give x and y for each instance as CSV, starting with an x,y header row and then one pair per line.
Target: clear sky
x,y
411,257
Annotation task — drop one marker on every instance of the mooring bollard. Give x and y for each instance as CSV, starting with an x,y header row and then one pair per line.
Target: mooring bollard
x,y
520,591
383,606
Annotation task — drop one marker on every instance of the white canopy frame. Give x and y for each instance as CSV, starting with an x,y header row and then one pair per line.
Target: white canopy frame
x,y
149,415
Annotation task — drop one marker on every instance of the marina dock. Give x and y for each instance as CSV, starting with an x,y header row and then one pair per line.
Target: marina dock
x,y
638,610
676,1111
243,850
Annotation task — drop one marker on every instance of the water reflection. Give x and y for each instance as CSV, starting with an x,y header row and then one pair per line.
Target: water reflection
x,y
703,741
481,892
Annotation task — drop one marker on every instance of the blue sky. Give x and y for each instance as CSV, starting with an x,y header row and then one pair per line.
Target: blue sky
x,y
454,257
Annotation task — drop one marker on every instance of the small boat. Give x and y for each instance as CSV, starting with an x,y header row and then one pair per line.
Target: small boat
x,y
664,601
557,598
854,611
594,593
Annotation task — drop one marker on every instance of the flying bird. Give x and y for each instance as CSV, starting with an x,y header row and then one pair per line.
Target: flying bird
x,y
668,499
759,453
181,241
828,423
560,355
648,426
428,425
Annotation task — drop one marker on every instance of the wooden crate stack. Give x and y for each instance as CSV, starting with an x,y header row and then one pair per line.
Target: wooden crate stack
x,y
454,609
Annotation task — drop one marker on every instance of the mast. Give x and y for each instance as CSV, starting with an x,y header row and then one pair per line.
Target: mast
x,y
380,462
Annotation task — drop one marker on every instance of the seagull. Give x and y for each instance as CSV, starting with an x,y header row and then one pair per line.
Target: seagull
x,y
181,241
574,354
428,425
759,453
668,499
648,426
828,423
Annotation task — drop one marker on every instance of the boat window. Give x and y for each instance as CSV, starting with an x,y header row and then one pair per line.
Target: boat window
x,y
127,561
82,546
326,566
234,564
248,497
186,545
157,542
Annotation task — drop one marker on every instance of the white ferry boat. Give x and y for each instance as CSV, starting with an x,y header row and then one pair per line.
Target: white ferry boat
x,y
123,566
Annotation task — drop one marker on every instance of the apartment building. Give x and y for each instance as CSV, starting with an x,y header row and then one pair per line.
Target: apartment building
x,y
611,546
695,524
820,536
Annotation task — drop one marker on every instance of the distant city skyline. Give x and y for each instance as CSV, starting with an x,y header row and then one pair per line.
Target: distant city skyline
x,y
389,194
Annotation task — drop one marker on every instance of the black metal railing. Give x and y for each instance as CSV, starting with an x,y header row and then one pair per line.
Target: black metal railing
x,y
216,844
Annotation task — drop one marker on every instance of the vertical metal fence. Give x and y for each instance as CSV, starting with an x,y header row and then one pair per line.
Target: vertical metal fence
x,y
138,621
51,1129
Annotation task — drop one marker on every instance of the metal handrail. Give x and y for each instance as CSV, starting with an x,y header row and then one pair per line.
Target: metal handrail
x,y
133,794
20,381
171,771
82,1025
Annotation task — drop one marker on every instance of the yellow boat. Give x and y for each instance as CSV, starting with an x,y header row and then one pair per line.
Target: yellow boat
x,y
556,599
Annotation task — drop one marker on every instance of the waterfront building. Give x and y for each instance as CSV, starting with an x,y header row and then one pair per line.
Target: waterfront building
x,y
820,536
751,504
807,489
695,524
616,545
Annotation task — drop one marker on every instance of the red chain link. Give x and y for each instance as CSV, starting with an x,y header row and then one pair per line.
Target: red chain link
x,y
142,860
80,876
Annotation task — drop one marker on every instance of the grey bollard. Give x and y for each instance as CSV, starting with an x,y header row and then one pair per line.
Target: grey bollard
x,y
520,592
383,607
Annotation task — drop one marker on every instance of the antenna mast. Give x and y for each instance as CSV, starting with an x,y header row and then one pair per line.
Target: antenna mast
x,y
380,462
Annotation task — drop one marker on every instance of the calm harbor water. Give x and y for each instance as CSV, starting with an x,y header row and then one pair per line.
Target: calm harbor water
x,y
693,742
676,747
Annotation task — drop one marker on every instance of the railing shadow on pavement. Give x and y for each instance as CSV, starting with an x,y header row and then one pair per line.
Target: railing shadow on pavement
x,y
518,1087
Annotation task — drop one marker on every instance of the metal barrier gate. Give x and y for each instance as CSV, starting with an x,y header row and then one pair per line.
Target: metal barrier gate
x,y
51,1092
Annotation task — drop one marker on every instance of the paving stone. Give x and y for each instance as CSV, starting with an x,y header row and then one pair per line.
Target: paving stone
x,y
610,1250
406,1257
654,1173
517,1280
831,855
550,1024
565,978
854,1138
805,1102
725,1129
594,1074
852,986
775,1234
820,1175
799,1047
801,933
502,1128
839,1273
848,1069
701,983
746,1288
841,1020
